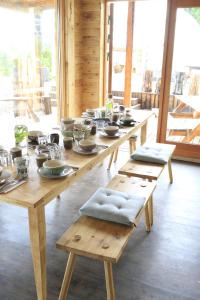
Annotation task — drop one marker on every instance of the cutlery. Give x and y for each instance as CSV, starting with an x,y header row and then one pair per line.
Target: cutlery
x,y
6,183
12,185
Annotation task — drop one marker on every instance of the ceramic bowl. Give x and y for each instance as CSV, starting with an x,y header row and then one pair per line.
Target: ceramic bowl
x,y
111,130
33,135
90,112
54,166
87,145
67,133
68,121
126,120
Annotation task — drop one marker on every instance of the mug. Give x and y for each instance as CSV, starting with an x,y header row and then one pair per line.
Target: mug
x,y
15,152
41,158
67,142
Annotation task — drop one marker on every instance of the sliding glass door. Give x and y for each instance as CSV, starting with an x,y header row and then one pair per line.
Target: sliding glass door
x,y
180,114
136,37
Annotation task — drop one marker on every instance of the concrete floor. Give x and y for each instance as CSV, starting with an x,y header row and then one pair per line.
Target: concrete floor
x,y
162,265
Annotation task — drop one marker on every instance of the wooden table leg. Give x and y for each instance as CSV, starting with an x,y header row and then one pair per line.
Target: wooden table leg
x,y
111,159
109,280
37,230
116,154
143,133
67,276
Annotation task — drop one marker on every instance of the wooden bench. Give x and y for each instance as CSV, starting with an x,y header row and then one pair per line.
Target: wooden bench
x,y
147,170
103,240
132,147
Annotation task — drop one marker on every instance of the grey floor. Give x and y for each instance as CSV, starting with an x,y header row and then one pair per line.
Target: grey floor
x,y
164,264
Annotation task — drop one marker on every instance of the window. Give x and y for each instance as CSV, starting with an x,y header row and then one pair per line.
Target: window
x,y
27,66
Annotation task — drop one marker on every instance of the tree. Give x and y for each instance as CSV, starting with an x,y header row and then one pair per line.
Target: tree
x,y
195,12
6,65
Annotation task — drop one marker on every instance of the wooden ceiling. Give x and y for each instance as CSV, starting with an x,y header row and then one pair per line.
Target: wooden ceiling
x,y
27,3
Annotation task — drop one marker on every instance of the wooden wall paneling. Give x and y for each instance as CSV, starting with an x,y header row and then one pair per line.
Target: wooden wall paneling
x,y
129,54
78,59
93,19
70,56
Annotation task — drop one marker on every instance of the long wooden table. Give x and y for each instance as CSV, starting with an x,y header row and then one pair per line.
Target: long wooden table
x,y
37,192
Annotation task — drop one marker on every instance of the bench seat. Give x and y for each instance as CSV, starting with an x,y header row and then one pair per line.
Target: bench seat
x,y
104,240
148,170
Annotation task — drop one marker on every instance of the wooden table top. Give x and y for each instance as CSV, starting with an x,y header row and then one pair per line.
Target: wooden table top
x,y
39,191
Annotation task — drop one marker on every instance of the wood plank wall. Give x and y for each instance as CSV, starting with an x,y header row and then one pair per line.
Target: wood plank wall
x,y
89,52
78,59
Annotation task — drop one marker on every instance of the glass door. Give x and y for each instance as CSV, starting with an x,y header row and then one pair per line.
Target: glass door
x,y
180,117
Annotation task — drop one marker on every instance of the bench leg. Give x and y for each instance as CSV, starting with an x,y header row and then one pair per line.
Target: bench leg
x,y
132,146
147,218
67,276
150,205
170,171
111,159
109,280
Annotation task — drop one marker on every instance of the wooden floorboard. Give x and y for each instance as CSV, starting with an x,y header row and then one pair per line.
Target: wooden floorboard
x,y
162,265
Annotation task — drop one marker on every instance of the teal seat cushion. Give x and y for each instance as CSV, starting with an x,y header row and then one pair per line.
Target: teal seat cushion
x,y
155,153
110,205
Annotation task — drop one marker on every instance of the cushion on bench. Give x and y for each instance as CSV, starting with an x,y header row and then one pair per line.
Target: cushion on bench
x,y
152,153
114,206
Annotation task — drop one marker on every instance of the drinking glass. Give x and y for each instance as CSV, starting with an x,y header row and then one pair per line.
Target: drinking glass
x,y
22,164
56,152
5,158
78,136
100,124
43,139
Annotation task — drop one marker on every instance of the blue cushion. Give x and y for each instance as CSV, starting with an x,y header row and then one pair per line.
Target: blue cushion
x,y
114,206
155,153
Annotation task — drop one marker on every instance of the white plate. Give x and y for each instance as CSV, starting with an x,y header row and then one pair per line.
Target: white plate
x,y
117,135
83,152
43,173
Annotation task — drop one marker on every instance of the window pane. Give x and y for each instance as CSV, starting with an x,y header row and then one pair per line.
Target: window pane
x,y
27,67
184,103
